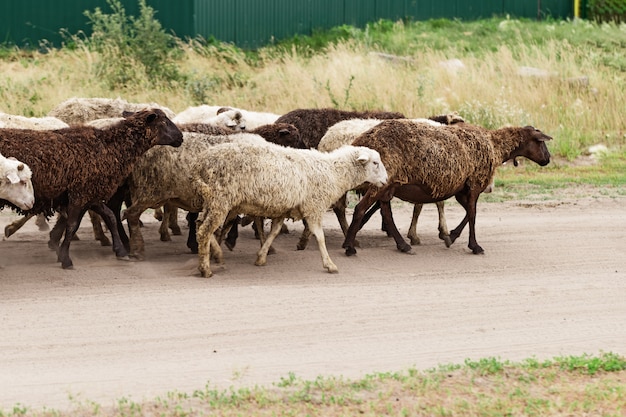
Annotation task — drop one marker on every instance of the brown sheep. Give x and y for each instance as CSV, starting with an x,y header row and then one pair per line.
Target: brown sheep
x,y
428,164
81,167
313,123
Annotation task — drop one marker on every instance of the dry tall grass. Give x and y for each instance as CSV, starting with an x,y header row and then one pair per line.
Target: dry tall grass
x,y
578,100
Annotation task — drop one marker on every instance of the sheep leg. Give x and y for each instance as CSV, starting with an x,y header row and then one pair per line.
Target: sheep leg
x,y
115,204
412,235
468,201
158,214
208,223
173,220
261,256
72,221
192,242
17,225
233,233
165,222
357,221
98,232
385,211
315,224
304,237
137,245
444,234
57,232
42,223
258,222
111,222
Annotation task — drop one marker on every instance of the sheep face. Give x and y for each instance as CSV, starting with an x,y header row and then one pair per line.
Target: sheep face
x,y
157,123
533,147
376,173
16,185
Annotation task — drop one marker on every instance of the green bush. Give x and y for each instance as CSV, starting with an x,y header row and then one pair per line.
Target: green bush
x,y
607,10
132,45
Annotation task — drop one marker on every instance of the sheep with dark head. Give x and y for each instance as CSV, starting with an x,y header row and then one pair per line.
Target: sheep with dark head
x,y
344,133
313,123
81,167
428,164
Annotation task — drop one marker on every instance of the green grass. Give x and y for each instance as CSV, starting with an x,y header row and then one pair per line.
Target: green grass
x,y
566,385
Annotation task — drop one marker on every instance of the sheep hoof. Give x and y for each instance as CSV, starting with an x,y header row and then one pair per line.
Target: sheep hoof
x,y
350,251
478,251
176,230
446,240
67,265
271,251
137,256
166,238
123,258
332,269
415,241
8,231
206,274
406,248
53,245
230,245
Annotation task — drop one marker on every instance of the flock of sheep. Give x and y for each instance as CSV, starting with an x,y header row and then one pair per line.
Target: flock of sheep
x,y
96,155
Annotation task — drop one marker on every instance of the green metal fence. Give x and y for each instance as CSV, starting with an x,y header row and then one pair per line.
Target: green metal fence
x,y
253,23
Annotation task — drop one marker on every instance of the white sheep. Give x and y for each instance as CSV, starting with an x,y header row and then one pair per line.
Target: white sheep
x,y
276,182
78,110
250,119
15,183
13,121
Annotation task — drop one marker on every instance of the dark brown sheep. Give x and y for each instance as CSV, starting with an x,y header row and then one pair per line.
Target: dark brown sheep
x,y
313,123
428,164
81,167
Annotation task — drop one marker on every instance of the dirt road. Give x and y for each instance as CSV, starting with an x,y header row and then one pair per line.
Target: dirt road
x,y
552,282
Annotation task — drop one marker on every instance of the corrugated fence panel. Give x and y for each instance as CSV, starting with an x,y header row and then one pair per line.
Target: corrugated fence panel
x,y
252,23
27,22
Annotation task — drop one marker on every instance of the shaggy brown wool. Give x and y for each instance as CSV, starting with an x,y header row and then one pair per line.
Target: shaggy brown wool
x,y
313,123
80,167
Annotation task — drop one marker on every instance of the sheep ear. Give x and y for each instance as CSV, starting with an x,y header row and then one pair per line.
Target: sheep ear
x,y
363,158
222,110
127,113
13,178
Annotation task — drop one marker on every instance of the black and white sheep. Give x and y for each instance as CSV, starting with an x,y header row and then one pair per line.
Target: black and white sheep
x,y
276,182
15,183
428,164
313,123
81,167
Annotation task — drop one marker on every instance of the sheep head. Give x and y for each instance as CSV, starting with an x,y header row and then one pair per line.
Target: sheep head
x,y
533,146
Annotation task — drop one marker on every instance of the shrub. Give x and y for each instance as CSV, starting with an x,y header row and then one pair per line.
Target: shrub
x,y
607,10
132,45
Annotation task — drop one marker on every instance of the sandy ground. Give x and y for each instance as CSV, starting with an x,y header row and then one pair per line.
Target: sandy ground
x,y
552,283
